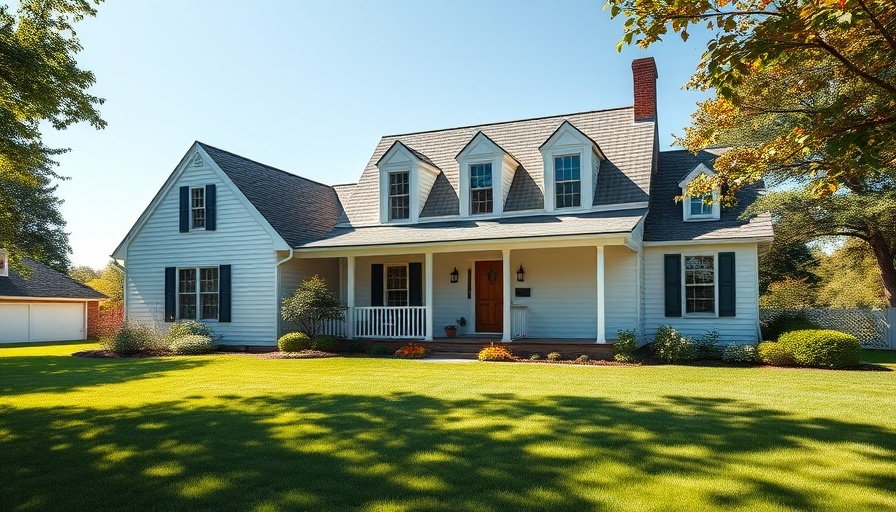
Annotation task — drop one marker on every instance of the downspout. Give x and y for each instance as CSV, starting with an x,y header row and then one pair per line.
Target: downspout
x,y
277,291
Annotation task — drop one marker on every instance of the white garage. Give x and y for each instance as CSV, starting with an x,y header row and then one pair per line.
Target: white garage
x,y
43,322
45,306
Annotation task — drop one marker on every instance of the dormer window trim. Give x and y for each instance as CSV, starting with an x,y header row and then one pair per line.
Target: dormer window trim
x,y
482,150
422,173
405,185
567,141
688,204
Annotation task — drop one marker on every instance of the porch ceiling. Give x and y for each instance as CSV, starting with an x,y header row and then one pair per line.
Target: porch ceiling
x,y
536,226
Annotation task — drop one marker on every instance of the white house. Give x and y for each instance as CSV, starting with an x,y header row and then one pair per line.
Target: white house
x,y
556,227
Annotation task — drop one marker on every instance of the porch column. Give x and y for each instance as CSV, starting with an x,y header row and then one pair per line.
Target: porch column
x,y
427,286
350,297
506,280
601,310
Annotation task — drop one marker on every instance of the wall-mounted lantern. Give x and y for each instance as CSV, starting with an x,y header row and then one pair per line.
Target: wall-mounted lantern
x,y
521,274
454,275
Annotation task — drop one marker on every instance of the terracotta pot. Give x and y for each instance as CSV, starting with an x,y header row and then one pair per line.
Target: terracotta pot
x,y
451,331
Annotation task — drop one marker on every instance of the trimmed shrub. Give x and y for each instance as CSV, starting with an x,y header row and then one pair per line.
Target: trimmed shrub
x,y
625,346
294,342
535,357
822,348
495,353
583,359
670,346
775,354
554,356
183,328
192,345
785,322
378,349
411,351
325,343
737,353
707,346
134,338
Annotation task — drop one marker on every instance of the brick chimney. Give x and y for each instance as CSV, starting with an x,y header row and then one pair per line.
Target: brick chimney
x,y
644,76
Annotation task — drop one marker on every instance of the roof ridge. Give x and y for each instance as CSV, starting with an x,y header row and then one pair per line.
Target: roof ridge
x,y
270,167
538,118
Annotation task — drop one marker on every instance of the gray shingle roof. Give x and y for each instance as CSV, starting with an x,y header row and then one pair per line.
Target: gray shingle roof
x,y
665,222
45,282
300,210
624,178
513,227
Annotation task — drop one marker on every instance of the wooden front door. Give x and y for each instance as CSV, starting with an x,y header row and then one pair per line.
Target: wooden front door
x,y
489,296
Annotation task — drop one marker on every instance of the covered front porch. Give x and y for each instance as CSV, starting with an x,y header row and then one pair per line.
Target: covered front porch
x,y
547,292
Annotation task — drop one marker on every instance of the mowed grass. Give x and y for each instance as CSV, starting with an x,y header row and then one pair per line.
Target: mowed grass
x,y
229,432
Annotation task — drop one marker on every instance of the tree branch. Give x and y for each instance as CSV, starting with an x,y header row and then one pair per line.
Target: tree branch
x,y
878,25
821,43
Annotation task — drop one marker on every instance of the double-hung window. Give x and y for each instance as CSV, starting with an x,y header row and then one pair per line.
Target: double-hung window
x,y
197,293
701,206
399,196
567,181
397,285
481,194
699,284
197,207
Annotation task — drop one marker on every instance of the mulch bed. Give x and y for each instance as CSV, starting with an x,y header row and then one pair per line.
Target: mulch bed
x,y
304,354
108,354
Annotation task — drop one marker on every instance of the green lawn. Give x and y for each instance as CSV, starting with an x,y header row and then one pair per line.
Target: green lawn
x,y
241,433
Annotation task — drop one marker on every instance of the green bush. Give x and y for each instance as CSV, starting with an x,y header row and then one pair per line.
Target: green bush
x,y
737,353
378,349
325,343
535,357
183,328
625,346
192,345
775,354
787,321
554,356
583,359
822,348
134,338
294,342
707,346
670,346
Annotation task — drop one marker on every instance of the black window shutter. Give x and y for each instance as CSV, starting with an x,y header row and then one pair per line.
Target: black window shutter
x,y
727,294
415,284
224,293
376,284
184,209
672,263
170,294
211,210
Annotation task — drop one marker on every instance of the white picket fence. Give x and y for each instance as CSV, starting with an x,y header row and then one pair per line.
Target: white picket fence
x,y
874,328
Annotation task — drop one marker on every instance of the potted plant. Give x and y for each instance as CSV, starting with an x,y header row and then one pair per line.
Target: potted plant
x,y
451,330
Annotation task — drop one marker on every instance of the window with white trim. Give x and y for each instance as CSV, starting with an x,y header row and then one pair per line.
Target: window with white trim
x,y
567,181
481,194
197,299
197,207
699,284
701,206
396,288
399,196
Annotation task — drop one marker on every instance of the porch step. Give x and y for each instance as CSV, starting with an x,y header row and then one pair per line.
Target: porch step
x,y
569,349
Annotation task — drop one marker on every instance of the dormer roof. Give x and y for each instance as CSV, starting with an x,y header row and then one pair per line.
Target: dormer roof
x,y
481,137
401,146
700,169
557,136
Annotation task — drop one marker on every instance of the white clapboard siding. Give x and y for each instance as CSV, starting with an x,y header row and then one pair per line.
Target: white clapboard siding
x,y
240,241
740,328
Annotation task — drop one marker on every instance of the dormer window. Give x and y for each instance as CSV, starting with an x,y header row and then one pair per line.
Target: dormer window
x,y
568,181
705,207
197,207
481,194
399,196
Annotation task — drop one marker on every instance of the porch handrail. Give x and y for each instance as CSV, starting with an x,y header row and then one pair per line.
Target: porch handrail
x,y
519,321
390,322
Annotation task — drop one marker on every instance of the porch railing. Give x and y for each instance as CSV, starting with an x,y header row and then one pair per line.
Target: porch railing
x,y
519,321
333,328
390,322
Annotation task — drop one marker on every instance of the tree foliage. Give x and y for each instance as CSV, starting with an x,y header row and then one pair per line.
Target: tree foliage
x,y
311,305
786,260
40,82
83,274
111,284
849,278
806,96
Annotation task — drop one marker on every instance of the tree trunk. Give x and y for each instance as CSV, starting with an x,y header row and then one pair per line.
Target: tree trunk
x,y
884,255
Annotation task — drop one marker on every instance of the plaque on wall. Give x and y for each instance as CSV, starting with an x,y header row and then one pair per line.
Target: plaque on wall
x,y
522,292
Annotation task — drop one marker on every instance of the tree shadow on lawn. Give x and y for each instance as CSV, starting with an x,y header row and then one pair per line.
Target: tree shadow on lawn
x,y
415,452
20,375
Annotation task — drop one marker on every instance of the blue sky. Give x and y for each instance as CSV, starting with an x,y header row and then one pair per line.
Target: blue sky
x,y
309,87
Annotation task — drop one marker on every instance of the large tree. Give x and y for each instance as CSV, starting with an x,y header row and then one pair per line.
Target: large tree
x,y
40,83
806,96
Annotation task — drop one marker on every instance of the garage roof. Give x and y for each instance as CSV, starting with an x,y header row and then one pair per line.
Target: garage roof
x,y
45,282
